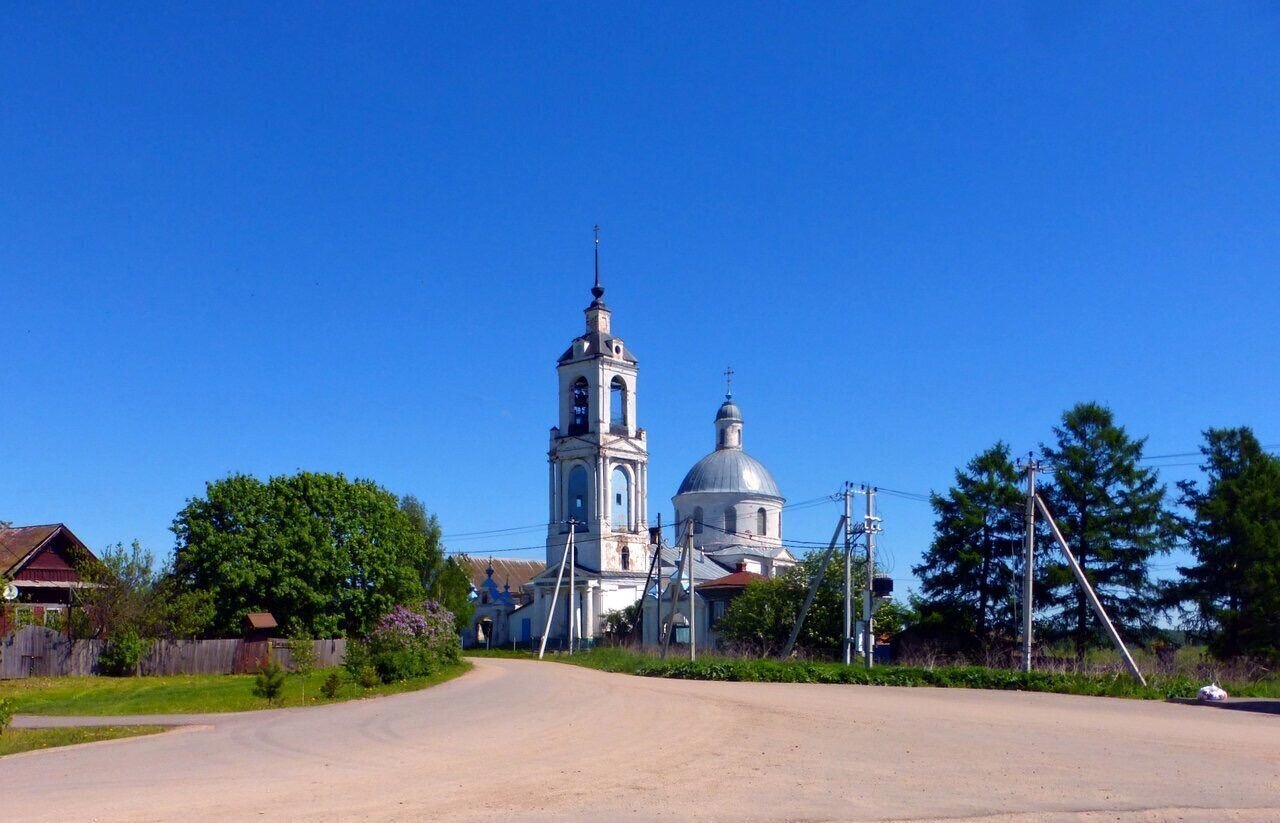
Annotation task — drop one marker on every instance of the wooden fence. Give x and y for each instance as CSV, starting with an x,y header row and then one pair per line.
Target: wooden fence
x,y
34,651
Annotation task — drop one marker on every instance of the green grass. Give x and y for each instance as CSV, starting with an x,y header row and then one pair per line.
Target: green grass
x,y
26,740
964,677
185,694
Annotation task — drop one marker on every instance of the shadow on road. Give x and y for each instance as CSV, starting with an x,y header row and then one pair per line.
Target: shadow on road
x,y
1261,706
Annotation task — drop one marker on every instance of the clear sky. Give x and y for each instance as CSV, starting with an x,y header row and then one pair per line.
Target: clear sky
x,y
248,238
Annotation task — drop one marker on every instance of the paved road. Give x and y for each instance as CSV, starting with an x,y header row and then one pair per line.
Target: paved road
x,y
521,740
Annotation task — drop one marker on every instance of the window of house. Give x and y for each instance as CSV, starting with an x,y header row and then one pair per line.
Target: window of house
x,y
581,411
762,522
731,520
626,558
697,520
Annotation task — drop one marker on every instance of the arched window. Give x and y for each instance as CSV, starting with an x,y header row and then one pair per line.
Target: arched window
x,y
580,421
731,520
626,559
618,402
578,499
697,520
620,505
762,522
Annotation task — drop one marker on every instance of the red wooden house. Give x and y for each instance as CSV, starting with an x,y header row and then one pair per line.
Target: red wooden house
x,y
42,562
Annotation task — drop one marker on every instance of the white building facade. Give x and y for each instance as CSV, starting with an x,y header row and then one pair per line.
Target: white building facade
x,y
597,482
734,503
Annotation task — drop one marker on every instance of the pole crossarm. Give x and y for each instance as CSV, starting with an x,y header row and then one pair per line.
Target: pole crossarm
x,y
1088,590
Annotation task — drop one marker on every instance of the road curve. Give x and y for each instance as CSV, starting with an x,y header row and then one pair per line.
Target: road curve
x,y
523,740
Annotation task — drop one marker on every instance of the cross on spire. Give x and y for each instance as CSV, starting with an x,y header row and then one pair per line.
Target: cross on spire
x,y
728,383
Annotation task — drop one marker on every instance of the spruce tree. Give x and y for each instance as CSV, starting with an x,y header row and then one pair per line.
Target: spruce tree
x,y
969,574
1111,512
1233,531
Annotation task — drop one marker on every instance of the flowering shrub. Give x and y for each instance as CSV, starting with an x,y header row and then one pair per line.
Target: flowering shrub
x,y
406,643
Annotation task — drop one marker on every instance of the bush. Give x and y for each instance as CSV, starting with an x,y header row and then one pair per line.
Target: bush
x,y
6,713
406,644
123,653
270,681
331,685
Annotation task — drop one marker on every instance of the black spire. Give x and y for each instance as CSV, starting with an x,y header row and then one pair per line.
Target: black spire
x,y
597,290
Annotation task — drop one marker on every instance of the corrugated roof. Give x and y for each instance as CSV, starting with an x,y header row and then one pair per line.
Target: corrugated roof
x,y
17,543
505,570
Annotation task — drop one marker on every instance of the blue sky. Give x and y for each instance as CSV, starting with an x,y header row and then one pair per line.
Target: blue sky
x,y
237,238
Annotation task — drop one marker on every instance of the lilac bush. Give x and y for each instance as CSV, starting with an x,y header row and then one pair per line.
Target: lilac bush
x,y
407,642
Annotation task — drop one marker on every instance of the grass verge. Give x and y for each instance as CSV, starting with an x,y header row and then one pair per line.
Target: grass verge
x,y
186,694
27,740
963,677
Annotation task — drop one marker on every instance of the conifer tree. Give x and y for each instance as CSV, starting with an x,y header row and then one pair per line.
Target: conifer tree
x,y
1111,511
969,574
1233,530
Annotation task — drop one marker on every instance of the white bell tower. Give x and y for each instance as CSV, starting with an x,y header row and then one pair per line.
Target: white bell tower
x,y
598,456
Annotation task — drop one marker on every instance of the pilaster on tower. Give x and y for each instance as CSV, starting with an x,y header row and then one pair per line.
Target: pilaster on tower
x,y
598,455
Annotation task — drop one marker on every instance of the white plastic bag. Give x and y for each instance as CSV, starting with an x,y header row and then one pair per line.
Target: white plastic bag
x,y
1212,693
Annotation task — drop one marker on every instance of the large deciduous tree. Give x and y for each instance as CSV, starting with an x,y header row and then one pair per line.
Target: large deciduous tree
x,y
969,575
1233,531
322,553
443,579
1111,511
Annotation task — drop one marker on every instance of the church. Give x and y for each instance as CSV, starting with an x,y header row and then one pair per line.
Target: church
x,y
598,485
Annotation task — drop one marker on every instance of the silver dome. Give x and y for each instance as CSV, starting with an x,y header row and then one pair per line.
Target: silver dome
x,y
729,411
730,470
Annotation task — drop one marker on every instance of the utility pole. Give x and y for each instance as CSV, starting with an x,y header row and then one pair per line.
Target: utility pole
x,y
1089,592
847,639
871,527
555,593
573,616
1030,465
670,623
655,541
693,609
813,588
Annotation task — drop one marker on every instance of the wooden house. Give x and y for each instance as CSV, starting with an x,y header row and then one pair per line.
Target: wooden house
x,y
44,564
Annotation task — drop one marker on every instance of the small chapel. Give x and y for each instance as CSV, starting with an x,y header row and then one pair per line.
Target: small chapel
x,y
598,487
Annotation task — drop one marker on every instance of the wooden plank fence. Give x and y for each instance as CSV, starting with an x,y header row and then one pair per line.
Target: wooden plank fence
x,y
34,651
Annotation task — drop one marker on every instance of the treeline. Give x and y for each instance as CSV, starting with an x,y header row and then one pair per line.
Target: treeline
x,y
326,556
1118,518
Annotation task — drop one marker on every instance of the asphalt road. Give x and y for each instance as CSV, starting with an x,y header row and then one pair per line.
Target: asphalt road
x,y
520,740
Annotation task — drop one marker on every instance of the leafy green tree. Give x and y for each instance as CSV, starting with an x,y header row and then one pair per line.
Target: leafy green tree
x,y
970,573
302,658
1233,530
443,578
620,623
129,593
328,554
761,618
1111,512
121,593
